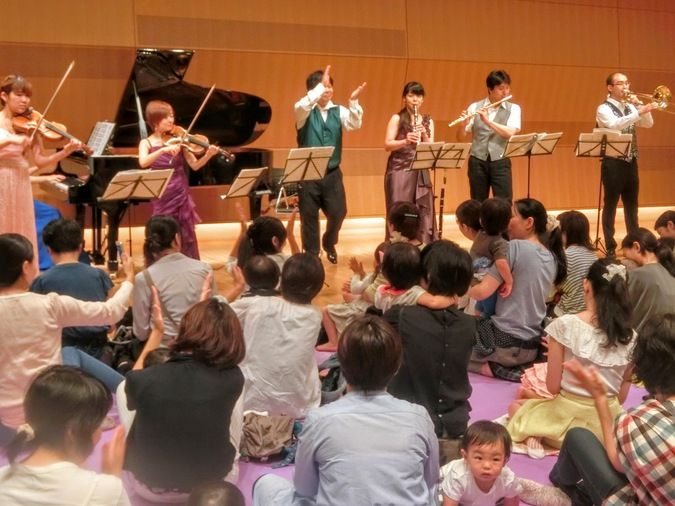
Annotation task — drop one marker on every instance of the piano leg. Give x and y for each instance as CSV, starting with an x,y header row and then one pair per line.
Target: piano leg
x,y
114,219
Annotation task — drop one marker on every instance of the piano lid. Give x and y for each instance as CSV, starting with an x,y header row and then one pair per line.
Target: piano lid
x,y
230,118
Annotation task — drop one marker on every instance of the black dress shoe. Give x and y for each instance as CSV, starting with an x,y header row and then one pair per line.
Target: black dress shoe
x,y
331,255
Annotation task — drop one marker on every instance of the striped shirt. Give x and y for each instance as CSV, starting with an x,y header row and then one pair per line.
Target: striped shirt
x,y
579,260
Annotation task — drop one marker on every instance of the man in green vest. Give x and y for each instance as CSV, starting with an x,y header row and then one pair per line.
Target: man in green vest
x,y
319,122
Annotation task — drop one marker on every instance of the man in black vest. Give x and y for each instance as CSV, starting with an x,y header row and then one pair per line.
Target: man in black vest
x,y
490,128
319,122
621,111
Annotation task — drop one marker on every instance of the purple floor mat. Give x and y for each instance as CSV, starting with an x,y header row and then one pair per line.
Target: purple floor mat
x,y
490,399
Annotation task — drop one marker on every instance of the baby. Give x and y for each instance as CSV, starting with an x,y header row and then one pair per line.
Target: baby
x,y
481,477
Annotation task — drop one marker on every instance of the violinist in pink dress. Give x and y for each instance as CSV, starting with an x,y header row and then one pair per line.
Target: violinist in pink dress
x,y
19,158
154,152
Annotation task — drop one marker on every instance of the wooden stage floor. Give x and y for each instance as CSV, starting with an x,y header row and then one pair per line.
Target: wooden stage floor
x,y
358,238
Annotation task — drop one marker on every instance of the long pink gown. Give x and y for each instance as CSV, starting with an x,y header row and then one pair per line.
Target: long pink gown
x,y
16,196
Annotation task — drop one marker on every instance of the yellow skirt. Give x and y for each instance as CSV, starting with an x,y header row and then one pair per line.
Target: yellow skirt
x,y
550,419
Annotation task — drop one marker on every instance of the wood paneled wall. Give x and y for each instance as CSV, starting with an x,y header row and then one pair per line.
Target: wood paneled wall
x,y
558,53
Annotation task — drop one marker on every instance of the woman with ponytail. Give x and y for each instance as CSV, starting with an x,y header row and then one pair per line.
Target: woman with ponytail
x,y
178,279
64,410
651,287
509,340
600,336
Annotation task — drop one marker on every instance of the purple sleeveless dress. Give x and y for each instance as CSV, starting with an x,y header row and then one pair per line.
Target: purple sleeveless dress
x,y
401,185
176,201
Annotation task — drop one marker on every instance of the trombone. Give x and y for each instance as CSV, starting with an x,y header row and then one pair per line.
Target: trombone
x,y
662,96
489,106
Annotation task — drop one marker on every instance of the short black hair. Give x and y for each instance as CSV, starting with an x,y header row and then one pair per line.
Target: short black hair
x,y
468,214
369,352
447,268
405,219
302,278
315,78
654,355
576,228
62,235
495,215
401,265
261,273
15,249
485,432
497,77
662,221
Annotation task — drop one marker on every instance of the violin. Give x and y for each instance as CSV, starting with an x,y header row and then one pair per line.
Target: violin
x,y
26,123
196,144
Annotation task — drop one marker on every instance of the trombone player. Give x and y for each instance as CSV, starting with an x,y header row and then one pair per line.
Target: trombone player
x,y
491,127
621,111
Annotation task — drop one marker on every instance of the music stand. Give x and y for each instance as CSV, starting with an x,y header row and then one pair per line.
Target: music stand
x,y
137,185
529,145
130,185
440,155
598,144
303,164
245,182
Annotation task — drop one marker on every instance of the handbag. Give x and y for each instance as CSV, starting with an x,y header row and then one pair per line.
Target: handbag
x,y
265,436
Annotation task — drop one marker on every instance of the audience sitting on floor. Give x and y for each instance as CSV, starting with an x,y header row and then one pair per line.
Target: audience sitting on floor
x,y
367,447
509,340
280,335
665,224
600,336
216,493
64,409
31,325
634,460
187,422
68,276
178,279
266,235
437,346
580,255
651,287
336,317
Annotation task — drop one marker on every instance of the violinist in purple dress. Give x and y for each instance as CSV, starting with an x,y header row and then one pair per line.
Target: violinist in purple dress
x,y
157,152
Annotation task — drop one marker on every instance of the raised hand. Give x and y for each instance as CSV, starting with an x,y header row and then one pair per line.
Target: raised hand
x,y
207,287
325,79
357,267
587,377
355,94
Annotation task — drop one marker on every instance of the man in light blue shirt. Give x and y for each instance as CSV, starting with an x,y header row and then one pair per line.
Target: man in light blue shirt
x,y
368,447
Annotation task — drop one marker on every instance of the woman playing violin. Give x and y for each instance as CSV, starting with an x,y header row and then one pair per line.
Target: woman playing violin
x,y
157,152
19,158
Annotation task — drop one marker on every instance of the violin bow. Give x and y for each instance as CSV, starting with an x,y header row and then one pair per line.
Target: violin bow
x,y
51,100
201,108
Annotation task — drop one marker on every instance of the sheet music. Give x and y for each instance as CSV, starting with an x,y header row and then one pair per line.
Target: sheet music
x,y
100,136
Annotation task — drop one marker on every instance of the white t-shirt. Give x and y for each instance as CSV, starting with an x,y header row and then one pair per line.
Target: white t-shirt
x,y
280,366
459,485
59,484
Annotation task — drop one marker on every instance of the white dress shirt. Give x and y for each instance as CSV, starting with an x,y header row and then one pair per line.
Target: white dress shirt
x,y
351,118
512,122
607,119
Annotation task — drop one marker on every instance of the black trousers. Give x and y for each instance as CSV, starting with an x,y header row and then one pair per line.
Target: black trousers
x,y
583,470
327,195
619,179
484,174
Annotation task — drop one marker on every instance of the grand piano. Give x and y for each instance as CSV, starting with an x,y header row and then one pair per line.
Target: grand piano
x,y
231,119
